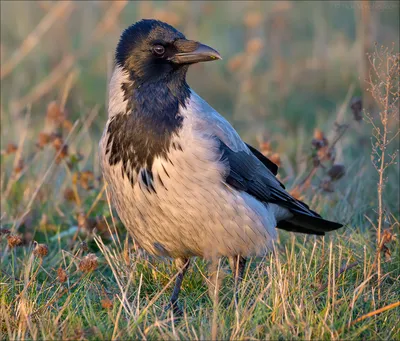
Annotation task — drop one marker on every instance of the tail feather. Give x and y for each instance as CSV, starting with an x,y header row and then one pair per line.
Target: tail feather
x,y
288,226
308,224
307,221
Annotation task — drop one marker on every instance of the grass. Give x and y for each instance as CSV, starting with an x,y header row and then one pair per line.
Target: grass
x,y
68,269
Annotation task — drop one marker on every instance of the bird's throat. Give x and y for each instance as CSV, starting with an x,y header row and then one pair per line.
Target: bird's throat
x,y
150,121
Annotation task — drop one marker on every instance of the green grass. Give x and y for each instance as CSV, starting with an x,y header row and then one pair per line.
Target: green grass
x,y
311,288
281,296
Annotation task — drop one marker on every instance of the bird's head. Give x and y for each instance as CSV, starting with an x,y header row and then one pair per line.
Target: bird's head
x,y
151,50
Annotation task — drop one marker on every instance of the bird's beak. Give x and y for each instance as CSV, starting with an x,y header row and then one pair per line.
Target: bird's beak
x,y
190,52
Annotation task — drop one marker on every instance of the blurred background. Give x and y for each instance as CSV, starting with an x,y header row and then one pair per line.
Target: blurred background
x,y
287,64
290,70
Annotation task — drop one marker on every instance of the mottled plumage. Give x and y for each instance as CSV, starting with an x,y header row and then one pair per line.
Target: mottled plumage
x,y
182,180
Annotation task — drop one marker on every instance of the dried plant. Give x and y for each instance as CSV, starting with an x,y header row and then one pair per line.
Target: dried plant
x,y
323,158
69,195
383,85
10,149
356,108
14,241
61,275
40,250
106,303
43,139
19,167
88,263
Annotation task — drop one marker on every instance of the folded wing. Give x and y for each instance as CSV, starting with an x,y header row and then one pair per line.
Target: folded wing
x,y
247,173
250,171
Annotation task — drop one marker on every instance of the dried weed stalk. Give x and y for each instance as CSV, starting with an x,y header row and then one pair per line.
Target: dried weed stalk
x,y
383,85
323,154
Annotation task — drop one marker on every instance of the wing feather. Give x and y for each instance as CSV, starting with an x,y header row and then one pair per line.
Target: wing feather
x,y
267,162
250,171
247,173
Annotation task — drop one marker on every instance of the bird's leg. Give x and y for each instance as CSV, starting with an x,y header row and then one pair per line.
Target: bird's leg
x,y
237,264
182,264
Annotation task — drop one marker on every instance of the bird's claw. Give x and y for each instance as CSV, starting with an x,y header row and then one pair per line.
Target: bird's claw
x,y
176,310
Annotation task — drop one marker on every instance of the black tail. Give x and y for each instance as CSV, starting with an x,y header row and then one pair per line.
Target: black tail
x,y
305,223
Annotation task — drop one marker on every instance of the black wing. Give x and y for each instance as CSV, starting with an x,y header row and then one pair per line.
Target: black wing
x,y
252,174
267,162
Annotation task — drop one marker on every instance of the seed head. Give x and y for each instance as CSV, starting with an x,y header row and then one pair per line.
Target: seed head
x,y
319,134
275,158
88,263
11,149
57,141
337,171
319,141
86,178
61,275
326,153
13,240
84,247
43,139
356,108
69,194
54,113
388,254
388,236
41,250
106,303
62,154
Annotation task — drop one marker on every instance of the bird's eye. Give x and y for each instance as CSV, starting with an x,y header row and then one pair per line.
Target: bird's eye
x,y
159,50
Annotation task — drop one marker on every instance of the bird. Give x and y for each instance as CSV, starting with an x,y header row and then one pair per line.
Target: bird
x,y
181,179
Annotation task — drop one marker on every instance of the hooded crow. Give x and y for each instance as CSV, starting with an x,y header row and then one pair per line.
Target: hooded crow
x,y
182,180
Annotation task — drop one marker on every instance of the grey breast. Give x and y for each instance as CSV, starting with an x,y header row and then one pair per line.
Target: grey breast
x,y
192,211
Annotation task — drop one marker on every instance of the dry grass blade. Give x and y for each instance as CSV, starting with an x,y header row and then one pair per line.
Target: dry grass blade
x,y
96,200
68,61
346,268
370,314
71,79
109,19
47,84
18,155
46,174
62,8
376,312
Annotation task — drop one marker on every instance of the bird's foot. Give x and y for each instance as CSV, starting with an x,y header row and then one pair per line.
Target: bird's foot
x,y
176,310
